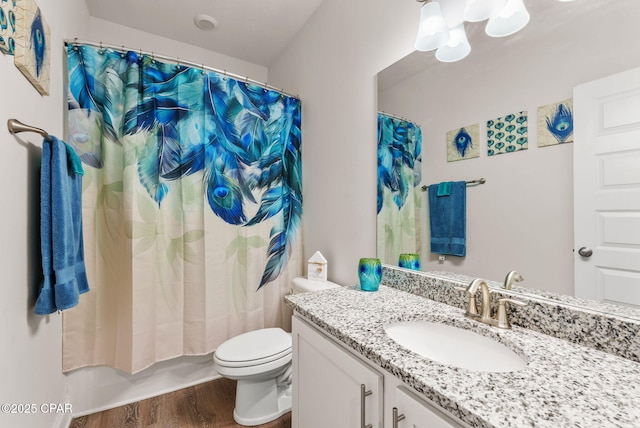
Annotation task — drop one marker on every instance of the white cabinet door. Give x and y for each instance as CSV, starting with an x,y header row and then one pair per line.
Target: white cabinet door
x,y
413,412
327,384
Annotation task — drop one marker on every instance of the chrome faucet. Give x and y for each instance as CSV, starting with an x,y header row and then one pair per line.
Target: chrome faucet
x,y
501,320
512,276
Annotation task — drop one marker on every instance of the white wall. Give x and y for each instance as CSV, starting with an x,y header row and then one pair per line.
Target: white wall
x,y
332,64
118,35
30,360
522,218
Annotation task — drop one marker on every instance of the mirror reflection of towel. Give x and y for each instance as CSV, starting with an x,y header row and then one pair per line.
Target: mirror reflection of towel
x,y
448,218
444,188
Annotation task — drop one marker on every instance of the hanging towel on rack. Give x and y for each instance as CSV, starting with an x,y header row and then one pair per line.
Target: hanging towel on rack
x,y
61,228
448,218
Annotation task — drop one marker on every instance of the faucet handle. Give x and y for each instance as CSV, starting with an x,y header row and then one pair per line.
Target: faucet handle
x,y
501,316
460,288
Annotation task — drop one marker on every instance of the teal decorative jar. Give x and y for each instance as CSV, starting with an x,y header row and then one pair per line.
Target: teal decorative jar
x,y
370,274
409,261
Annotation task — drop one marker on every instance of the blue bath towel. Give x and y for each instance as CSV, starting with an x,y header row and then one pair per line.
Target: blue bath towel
x,y
61,228
448,219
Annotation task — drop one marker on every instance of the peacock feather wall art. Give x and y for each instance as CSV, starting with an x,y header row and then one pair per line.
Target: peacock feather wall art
x,y
555,123
507,134
32,44
463,143
7,26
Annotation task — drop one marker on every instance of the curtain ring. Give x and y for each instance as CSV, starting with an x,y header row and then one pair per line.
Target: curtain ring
x,y
266,86
101,51
153,58
75,44
203,70
224,75
122,52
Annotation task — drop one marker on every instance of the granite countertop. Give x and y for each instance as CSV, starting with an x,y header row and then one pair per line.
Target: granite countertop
x,y
563,385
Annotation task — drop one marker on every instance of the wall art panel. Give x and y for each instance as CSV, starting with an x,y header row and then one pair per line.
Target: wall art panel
x,y
463,143
33,45
507,134
555,124
7,26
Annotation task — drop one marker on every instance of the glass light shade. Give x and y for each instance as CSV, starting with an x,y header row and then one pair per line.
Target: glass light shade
x,y
456,48
513,18
479,10
433,31
452,11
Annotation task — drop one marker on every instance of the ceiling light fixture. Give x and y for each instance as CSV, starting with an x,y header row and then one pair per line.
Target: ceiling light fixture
x,y
458,46
205,22
513,18
442,24
433,31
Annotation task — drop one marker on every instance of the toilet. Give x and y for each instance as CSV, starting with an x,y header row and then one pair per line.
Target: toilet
x,y
260,361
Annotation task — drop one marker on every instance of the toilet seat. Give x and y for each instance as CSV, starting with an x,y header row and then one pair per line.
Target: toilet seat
x,y
255,348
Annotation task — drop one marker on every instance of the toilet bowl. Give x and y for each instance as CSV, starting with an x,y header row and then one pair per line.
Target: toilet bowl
x,y
260,362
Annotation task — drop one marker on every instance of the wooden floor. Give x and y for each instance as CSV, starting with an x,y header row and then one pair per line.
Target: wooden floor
x,y
206,405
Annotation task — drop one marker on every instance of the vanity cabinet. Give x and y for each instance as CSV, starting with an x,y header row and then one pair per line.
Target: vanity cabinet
x,y
331,388
334,387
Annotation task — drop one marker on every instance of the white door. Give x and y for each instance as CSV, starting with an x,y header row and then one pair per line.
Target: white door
x,y
606,158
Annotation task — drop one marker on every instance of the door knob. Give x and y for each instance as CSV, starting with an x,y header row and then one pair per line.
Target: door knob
x,y
585,252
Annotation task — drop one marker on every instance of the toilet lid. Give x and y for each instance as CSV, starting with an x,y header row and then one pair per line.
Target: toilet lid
x,y
255,347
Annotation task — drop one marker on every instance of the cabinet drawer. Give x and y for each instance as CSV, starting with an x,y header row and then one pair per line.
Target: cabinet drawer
x,y
415,412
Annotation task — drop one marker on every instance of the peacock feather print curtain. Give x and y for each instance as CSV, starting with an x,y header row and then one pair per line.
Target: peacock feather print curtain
x,y
192,202
399,195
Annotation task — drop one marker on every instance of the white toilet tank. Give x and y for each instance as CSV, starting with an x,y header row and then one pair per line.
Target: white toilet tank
x,y
303,285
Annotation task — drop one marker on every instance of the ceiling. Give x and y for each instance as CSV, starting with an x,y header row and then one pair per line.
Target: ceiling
x,y
256,31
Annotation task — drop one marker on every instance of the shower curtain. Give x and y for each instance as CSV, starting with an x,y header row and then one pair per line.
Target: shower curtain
x,y
399,196
192,202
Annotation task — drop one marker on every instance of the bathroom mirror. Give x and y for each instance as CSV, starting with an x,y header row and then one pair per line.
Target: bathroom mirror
x,y
522,217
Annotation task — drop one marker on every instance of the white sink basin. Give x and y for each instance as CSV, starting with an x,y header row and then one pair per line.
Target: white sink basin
x,y
454,346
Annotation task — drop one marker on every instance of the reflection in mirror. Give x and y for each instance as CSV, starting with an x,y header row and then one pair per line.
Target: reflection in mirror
x,y
399,176
523,218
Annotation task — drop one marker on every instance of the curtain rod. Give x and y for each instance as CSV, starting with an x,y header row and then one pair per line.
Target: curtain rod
x,y
15,127
396,117
180,62
469,183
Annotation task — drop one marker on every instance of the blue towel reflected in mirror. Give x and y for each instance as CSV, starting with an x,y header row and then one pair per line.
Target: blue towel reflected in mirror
x,y
448,218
